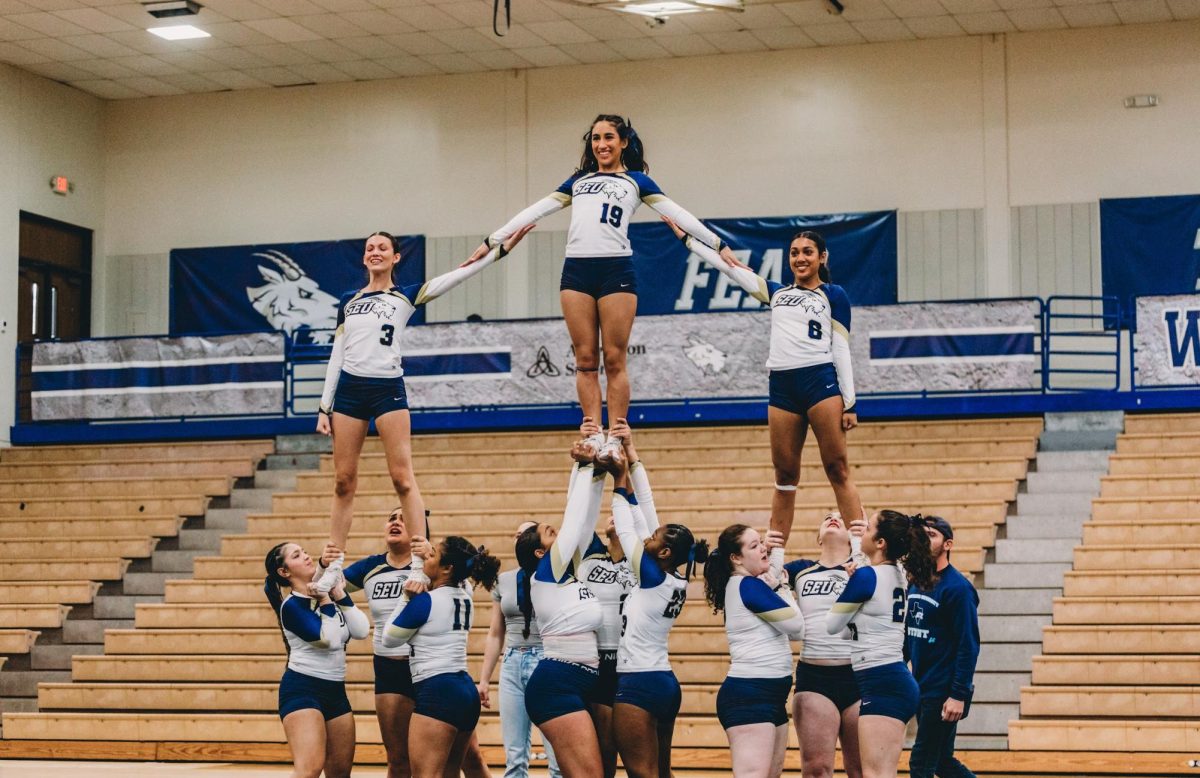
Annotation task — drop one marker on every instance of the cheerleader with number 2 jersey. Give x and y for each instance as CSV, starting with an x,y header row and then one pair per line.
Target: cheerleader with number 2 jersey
x,y
869,613
811,381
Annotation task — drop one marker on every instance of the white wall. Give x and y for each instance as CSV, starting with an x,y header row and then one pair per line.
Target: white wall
x,y
46,129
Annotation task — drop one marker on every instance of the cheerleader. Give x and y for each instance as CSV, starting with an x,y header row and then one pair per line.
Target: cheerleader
x,y
562,685
598,290
811,380
435,624
648,693
825,705
870,614
761,620
365,379
312,693
515,634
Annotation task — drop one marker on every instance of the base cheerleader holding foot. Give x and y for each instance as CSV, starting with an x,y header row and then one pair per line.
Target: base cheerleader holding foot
x,y
761,620
435,624
313,705
870,614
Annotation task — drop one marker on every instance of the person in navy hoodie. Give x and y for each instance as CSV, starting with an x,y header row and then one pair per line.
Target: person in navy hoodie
x,y
942,646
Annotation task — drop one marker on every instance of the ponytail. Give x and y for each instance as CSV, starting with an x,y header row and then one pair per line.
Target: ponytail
x,y
718,565
684,548
527,545
524,601
465,561
272,587
908,544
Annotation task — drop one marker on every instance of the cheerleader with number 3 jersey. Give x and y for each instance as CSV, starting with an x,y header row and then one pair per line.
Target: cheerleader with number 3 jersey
x,y
365,379
870,614
598,290
811,381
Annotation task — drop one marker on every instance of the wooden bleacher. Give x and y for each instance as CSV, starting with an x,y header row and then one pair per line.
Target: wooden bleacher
x,y
73,518
196,675
1118,670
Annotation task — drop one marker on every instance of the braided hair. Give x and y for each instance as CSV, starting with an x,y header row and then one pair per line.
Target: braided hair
x,y
719,566
908,544
633,156
465,561
684,547
273,587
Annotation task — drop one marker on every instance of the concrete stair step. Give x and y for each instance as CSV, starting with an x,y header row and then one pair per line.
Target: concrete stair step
x,y
1040,575
293,461
119,606
256,499
228,519
147,583
989,718
1078,440
18,705
207,539
1072,461
1063,482
1012,629
1028,550
1073,421
275,480
58,657
23,683
1000,687
303,444
1053,504
76,631
1027,527
1017,602
175,561
981,743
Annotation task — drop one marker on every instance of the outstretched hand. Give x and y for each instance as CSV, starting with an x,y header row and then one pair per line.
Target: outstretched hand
x,y
511,242
477,255
679,233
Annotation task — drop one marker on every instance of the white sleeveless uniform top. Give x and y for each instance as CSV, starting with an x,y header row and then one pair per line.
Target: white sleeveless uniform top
x,y
383,585
869,613
651,608
817,588
435,625
317,636
760,625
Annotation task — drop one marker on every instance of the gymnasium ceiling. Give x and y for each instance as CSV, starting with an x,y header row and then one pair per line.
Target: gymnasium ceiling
x,y
102,47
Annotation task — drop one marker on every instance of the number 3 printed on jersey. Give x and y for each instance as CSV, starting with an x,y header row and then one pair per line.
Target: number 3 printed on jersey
x,y
388,331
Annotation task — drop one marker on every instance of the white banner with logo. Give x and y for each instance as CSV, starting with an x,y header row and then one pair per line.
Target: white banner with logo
x,y
1167,341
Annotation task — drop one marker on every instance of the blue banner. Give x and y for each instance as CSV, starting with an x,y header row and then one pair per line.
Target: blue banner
x,y
862,258
292,287
1149,246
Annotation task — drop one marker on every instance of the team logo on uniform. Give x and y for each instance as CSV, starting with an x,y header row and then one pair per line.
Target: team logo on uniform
x,y
816,587
615,191
387,590
704,355
381,308
806,302
291,301
603,575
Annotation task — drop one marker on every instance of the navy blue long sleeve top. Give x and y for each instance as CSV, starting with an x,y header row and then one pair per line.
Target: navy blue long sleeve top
x,y
942,641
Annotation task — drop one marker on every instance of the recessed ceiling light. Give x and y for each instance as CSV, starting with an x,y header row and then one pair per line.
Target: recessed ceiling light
x,y
179,32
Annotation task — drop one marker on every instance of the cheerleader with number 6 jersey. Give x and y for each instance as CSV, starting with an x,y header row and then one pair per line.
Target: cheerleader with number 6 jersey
x,y
811,381
870,614
365,379
312,693
648,693
599,287
761,620
434,624
558,694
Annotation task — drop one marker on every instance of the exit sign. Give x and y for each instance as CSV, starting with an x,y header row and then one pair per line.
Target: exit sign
x,y
60,185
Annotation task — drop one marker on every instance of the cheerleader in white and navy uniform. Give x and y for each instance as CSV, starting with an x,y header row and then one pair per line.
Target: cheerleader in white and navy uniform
x,y
811,380
825,705
648,693
869,613
598,290
365,378
561,688
435,624
312,693
761,620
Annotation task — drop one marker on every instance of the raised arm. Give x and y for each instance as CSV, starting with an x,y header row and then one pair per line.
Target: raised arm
x,y
839,314
755,285
645,569
551,203
578,525
323,628
776,607
859,589
436,287
653,196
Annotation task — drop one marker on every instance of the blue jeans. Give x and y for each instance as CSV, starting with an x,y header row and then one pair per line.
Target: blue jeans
x,y
515,669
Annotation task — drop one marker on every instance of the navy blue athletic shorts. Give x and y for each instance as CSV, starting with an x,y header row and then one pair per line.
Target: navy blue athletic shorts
x,y
605,689
753,701
449,697
654,691
888,690
557,688
599,277
393,676
836,682
369,398
298,691
800,388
